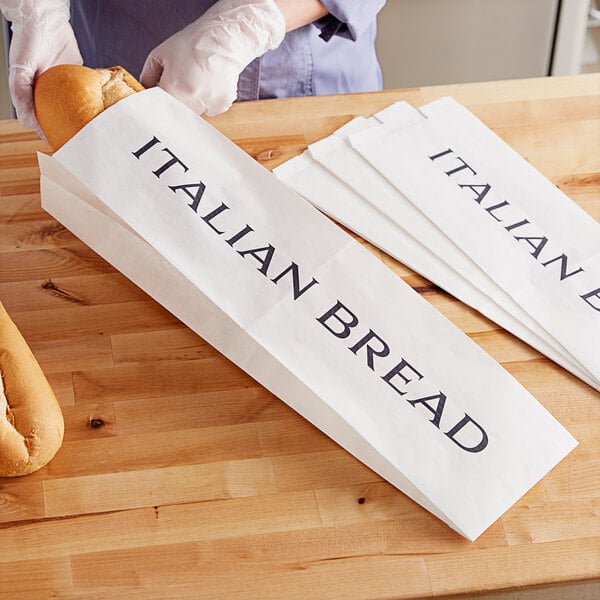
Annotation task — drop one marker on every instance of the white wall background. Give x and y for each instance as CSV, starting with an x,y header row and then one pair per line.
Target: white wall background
x,y
427,42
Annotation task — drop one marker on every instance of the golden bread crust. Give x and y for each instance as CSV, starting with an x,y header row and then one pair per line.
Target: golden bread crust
x,y
67,97
31,422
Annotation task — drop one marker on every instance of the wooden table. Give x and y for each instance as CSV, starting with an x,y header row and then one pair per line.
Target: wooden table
x,y
180,477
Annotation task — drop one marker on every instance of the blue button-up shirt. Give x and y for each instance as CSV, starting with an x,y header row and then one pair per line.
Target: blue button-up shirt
x,y
334,55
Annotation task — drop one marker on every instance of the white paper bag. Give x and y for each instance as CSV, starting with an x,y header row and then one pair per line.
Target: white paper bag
x,y
336,199
340,182
528,237
284,293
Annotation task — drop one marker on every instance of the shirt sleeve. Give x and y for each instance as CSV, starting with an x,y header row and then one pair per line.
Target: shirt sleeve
x,y
348,18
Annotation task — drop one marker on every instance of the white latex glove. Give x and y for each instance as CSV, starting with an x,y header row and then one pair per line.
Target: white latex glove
x,y
42,37
201,64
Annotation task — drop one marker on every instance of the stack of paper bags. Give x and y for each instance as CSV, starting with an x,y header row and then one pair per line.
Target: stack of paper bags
x,y
296,302
439,191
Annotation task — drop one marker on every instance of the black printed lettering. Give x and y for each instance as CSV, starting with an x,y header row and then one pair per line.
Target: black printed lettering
x,y
397,371
170,163
537,243
211,215
460,426
516,225
437,411
239,235
146,147
263,255
479,195
196,197
440,154
382,351
460,168
563,266
590,296
297,290
491,209
347,324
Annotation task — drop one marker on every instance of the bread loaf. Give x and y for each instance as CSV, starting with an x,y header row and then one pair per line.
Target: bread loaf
x,y
67,97
31,422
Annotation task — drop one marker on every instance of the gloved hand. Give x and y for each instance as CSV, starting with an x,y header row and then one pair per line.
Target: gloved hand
x,y
201,64
42,37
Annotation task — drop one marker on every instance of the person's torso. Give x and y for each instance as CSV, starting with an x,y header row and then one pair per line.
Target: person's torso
x,y
124,32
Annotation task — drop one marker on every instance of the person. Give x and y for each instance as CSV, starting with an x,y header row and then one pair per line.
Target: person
x,y
205,53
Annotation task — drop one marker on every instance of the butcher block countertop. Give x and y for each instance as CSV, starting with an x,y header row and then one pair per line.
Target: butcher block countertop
x,y
181,477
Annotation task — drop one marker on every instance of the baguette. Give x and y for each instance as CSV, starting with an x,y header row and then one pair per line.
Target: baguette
x,y
67,97
31,422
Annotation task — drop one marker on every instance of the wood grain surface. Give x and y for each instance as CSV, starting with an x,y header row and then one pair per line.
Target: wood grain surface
x,y
181,477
